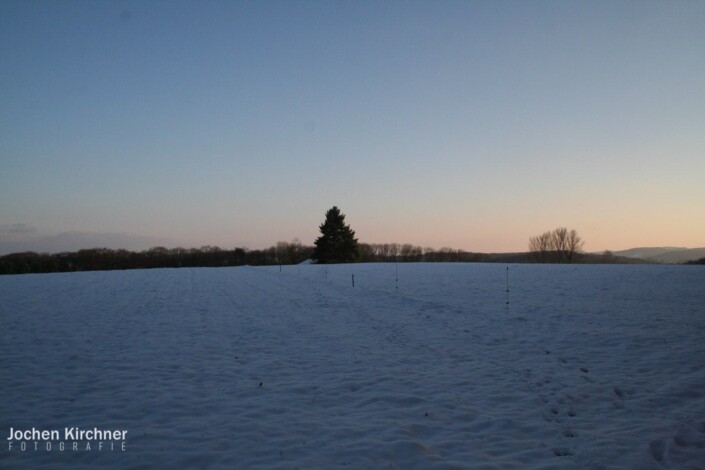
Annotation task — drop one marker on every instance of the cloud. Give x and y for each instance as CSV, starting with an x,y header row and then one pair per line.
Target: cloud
x,y
16,238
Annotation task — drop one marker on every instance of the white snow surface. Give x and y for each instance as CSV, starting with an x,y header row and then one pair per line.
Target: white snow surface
x,y
586,367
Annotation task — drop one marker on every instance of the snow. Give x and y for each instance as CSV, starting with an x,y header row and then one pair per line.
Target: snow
x,y
586,367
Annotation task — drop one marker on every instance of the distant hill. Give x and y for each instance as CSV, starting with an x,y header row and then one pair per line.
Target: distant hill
x,y
647,252
585,258
682,256
663,254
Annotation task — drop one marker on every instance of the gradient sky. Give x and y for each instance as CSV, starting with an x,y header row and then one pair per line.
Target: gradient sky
x,y
470,124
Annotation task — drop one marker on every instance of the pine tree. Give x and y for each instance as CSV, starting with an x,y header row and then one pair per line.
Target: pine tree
x,y
337,243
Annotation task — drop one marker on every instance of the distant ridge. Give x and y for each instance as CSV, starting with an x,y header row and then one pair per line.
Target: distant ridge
x,y
663,254
584,258
648,252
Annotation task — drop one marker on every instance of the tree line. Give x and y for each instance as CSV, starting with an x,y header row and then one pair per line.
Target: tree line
x,y
284,253
106,259
336,244
407,253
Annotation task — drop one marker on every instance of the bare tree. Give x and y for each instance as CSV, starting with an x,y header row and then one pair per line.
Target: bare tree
x,y
393,251
367,252
608,257
558,246
574,246
540,247
406,251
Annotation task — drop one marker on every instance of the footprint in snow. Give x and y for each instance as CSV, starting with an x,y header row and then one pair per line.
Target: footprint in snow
x,y
658,450
619,402
562,452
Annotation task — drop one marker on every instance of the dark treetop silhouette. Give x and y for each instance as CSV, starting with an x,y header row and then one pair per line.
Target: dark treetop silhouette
x,y
337,243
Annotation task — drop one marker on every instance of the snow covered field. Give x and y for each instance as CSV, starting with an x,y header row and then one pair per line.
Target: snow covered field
x,y
587,367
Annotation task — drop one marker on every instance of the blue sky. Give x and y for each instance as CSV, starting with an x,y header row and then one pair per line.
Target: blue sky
x,y
466,124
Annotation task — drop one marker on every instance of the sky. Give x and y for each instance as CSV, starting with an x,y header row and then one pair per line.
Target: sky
x,y
468,124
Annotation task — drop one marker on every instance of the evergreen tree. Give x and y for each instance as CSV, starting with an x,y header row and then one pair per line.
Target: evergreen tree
x,y
337,243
